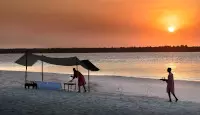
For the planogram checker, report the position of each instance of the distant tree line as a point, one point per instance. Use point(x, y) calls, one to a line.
point(181, 48)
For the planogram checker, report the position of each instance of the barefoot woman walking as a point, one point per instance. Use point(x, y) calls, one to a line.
point(170, 85)
point(81, 79)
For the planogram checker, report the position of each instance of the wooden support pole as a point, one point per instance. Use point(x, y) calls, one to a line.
point(88, 80)
point(26, 66)
point(42, 71)
point(76, 64)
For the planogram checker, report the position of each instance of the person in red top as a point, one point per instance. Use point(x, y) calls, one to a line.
point(170, 85)
point(81, 79)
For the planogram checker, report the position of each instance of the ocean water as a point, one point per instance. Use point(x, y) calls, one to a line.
point(185, 65)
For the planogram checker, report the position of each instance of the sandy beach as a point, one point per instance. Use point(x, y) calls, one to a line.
point(15, 100)
point(42, 102)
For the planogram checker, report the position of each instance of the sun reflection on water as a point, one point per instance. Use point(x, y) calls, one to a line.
point(171, 65)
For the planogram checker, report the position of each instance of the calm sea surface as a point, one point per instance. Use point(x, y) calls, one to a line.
point(186, 66)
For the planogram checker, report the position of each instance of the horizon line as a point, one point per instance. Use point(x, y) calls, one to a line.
point(106, 47)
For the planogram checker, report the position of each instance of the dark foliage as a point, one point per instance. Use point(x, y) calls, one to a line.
point(182, 48)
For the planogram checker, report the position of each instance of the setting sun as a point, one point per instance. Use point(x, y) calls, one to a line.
point(171, 29)
point(174, 20)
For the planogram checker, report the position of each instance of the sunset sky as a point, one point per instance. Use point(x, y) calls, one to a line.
point(98, 23)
